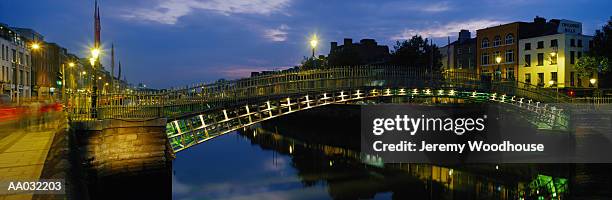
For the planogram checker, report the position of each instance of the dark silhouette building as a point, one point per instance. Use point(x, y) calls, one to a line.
point(460, 55)
point(367, 51)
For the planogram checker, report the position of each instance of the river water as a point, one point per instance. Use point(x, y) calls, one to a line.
point(288, 159)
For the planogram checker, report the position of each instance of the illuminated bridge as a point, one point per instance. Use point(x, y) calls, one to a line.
point(202, 112)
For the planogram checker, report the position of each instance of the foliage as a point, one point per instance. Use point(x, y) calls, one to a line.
point(589, 65)
point(602, 41)
point(416, 52)
point(309, 62)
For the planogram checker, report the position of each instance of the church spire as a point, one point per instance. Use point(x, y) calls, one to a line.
point(96, 25)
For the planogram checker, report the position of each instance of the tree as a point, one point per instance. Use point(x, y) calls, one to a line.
point(601, 53)
point(587, 66)
point(416, 52)
point(309, 62)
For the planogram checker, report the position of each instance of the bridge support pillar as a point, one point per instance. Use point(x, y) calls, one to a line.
point(125, 158)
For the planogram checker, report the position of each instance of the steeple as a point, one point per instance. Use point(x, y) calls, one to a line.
point(112, 61)
point(96, 25)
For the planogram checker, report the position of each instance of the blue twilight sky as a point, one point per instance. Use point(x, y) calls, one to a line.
point(176, 42)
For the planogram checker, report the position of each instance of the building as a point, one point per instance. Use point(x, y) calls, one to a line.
point(41, 83)
point(367, 51)
point(16, 65)
point(498, 46)
point(548, 60)
point(460, 55)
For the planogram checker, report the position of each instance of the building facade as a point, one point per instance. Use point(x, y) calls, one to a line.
point(498, 47)
point(15, 63)
point(548, 60)
point(460, 55)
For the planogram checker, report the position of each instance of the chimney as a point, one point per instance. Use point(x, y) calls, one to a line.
point(334, 45)
point(348, 42)
point(464, 35)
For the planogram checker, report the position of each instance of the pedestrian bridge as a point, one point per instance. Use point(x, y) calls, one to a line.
point(202, 112)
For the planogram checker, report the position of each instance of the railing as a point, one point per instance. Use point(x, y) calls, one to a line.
point(176, 103)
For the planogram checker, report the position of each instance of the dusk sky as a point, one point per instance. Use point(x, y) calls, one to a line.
point(167, 43)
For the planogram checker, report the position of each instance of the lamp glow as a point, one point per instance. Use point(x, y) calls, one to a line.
point(593, 81)
point(95, 53)
point(35, 46)
point(314, 41)
point(70, 64)
point(498, 59)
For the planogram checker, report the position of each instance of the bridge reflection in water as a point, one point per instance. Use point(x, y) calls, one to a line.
point(322, 157)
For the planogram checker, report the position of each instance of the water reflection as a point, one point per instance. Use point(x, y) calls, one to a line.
point(286, 158)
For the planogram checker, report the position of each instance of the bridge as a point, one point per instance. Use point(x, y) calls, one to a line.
point(202, 112)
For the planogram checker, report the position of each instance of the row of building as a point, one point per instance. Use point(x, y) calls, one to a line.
point(539, 53)
point(32, 68)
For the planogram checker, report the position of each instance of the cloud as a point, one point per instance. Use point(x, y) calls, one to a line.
point(437, 7)
point(410, 6)
point(169, 11)
point(277, 34)
point(449, 29)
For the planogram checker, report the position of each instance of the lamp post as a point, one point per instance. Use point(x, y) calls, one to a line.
point(553, 61)
point(498, 72)
point(313, 43)
point(95, 53)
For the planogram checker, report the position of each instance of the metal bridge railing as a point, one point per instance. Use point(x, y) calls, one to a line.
point(175, 103)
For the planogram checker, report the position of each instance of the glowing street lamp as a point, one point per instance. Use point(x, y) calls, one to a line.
point(593, 81)
point(35, 46)
point(498, 59)
point(70, 64)
point(95, 53)
point(313, 43)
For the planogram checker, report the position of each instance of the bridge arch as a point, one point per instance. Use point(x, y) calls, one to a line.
point(191, 130)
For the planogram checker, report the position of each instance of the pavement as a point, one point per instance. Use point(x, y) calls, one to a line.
point(23, 151)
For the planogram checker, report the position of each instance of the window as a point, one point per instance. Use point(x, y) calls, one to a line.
point(572, 42)
point(572, 57)
point(579, 54)
point(540, 44)
point(458, 51)
point(554, 43)
point(528, 46)
point(553, 78)
point(540, 79)
point(497, 41)
point(540, 59)
point(509, 39)
point(579, 43)
point(485, 59)
point(485, 43)
point(510, 73)
point(528, 78)
point(579, 80)
point(553, 59)
point(3, 53)
point(527, 60)
point(14, 55)
point(572, 79)
point(509, 56)
point(590, 44)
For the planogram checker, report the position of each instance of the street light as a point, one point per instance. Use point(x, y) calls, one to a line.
point(498, 72)
point(95, 53)
point(313, 43)
point(70, 64)
point(593, 81)
point(35, 46)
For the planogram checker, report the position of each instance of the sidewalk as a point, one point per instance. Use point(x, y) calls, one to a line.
point(23, 152)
